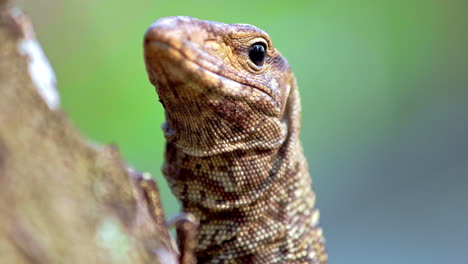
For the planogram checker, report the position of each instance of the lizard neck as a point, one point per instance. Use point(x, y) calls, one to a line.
point(262, 196)
point(221, 182)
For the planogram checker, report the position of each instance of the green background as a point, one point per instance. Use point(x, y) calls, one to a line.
point(385, 111)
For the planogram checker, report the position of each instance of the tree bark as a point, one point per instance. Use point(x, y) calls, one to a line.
point(63, 199)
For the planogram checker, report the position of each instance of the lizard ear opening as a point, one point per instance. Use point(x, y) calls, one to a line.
point(292, 112)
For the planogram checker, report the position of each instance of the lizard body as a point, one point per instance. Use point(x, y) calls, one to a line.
point(233, 156)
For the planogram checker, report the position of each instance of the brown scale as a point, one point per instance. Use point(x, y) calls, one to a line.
point(233, 156)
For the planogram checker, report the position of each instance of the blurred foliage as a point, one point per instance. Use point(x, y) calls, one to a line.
point(384, 93)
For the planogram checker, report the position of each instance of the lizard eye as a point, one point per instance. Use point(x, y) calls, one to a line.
point(257, 53)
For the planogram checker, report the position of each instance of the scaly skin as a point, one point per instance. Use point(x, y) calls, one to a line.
point(233, 155)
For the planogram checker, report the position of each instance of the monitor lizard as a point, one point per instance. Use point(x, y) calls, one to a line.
point(233, 155)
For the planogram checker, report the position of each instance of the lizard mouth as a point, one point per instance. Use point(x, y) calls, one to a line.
point(197, 62)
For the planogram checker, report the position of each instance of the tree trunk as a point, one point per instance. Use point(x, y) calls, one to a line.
point(63, 199)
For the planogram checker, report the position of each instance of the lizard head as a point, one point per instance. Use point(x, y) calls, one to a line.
point(223, 86)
